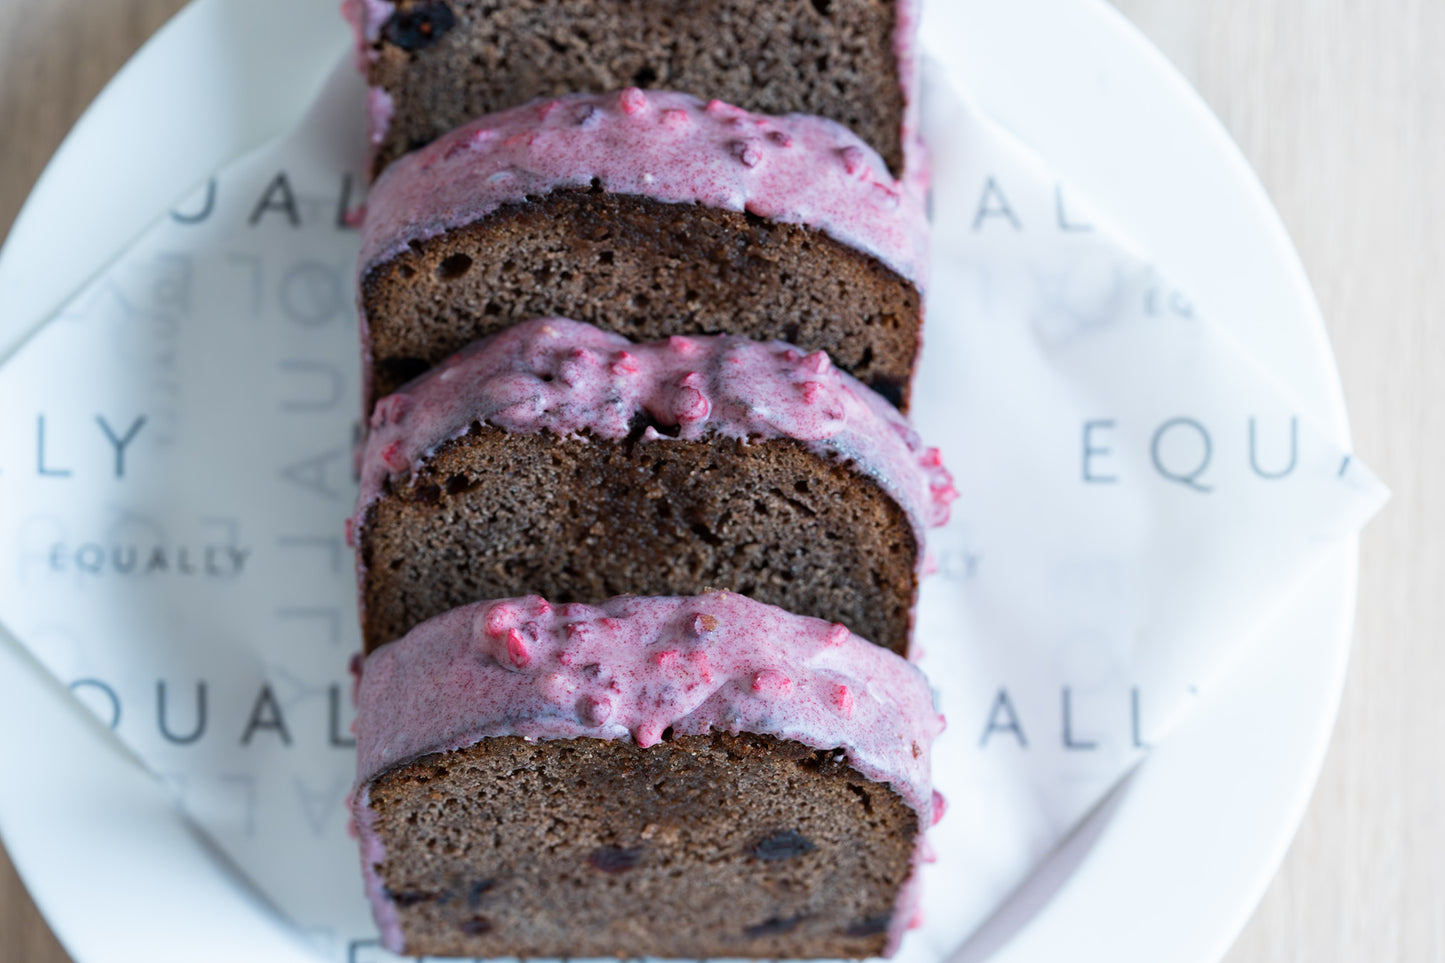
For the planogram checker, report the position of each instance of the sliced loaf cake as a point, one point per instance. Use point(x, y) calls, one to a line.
point(559, 459)
point(434, 65)
point(671, 777)
point(648, 214)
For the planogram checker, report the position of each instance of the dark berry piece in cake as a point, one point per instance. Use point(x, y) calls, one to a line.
point(784, 845)
point(614, 859)
point(871, 926)
point(774, 927)
point(418, 26)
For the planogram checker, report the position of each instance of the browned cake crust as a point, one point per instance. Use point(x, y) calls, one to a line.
point(495, 515)
point(446, 63)
point(703, 846)
point(645, 269)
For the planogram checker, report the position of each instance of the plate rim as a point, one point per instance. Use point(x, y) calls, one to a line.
point(1335, 583)
point(1341, 572)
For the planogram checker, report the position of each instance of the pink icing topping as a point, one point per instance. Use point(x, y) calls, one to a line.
point(381, 108)
point(666, 146)
point(629, 669)
point(366, 18)
point(571, 378)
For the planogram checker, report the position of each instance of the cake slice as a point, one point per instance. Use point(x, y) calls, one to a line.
point(560, 459)
point(648, 214)
point(435, 65)
point(672, 777)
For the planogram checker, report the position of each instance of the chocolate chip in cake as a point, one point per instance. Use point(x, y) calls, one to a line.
point(773, 927)
point(478, 890)
point(871, 926)
point(615, 859)
point(476, 926)
point(783, 845)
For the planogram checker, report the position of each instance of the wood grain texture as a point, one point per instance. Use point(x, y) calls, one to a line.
point(1340, 106)
point(55, 56)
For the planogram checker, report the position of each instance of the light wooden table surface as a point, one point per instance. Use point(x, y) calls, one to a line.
point(1340, 105)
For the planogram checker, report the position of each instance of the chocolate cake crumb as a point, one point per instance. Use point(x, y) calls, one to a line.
point(529, 816)
point(644, 269)
point(445, 64)
point(496, 515)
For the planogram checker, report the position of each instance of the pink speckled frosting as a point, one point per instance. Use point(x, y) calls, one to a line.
point(573, 379)
point(666, 146)
point(367, 17)
point(629, 669)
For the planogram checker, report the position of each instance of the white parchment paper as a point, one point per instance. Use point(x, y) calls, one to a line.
point(1137, 493)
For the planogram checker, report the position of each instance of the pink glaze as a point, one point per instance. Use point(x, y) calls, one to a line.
point(666, 146)
point(629, 669)
point(367, 17)
point(575, 380)
point(380, 108)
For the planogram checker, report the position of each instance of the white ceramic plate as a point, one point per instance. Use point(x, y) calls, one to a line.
point(1168, 869)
